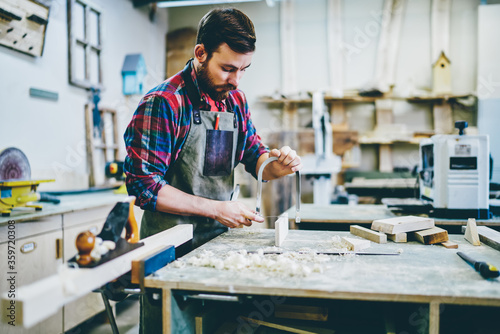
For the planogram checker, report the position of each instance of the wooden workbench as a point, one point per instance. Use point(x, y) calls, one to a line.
point(429, 275)
point(339, 217)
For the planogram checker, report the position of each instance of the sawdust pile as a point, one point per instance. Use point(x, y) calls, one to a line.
point(299, 263)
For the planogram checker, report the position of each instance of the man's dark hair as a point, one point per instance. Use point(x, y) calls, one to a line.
point(226, 25)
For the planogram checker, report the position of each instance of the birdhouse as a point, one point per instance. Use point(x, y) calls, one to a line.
point(441, 75)
point(133, 73)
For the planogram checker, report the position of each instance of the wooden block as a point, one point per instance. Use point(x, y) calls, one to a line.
point(402, 224)
point(471, 232)
point(366, 233)
point(151, 262)
point(489, 236)
point(356, 244)
point(432, 236)
point(281, 230)
point(398, 237)
point(301, 312)
point(449, 244)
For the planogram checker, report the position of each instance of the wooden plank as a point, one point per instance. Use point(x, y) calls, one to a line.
point(471, 234)
point(39, 300)
point(432, 236)
point(363, 232)
point(276, 326)
point(489, 236)
point(288, 50)
point(398, 237)
point(301, 312)
point(335, 50)
point(402, 224)
point(281, 230)
point(449, 244)
point(356, 244)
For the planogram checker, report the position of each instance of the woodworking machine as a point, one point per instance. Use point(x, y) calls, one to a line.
point(16, 187)
point(454, 174)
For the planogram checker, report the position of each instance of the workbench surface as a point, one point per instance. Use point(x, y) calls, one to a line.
point(69, 203)
point(364, 214)
point(421, 273)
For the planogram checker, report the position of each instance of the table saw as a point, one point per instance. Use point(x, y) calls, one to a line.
point(428, 280)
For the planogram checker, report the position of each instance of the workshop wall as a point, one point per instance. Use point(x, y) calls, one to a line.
point(413, 70)
point(52, 133)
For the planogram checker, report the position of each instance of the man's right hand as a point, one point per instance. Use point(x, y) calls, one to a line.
point(233, 214)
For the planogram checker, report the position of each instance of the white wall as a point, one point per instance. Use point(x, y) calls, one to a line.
point(413, 68)
point(52, 133)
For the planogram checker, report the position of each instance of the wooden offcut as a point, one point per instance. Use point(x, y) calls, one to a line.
point(356, 244)
point(363, 232)
point(471, 234)
point(150, 262)
point(301, 312)
point(450, 244)
point(398, 237)
point(402, 224)
point(432, 236)
point(281, 230)
point(489, 236)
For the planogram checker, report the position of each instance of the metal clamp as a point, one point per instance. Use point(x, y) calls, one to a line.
point(259, 189)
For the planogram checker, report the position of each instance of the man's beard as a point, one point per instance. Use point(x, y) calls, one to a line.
point(207, 85)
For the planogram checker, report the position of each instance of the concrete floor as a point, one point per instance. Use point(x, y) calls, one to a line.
point(127, 320)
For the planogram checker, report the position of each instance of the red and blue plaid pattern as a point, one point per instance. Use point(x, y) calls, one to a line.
point(159, 128)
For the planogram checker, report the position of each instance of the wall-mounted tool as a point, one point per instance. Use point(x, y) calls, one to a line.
point(454, 174)
point(485, 269)
point(16, 187)
point(259, 189)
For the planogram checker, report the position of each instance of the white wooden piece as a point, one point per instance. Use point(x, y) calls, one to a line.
point(449, 244)
point(392, 19)
point(440, 28)
point(489, 236)
point(356, 244)
point(335, 54)
point(288, 51)
point(39, 300)
point(471, 234)
point(398, 237)
point(402, 224)
point(363, 232)
point(281, 230)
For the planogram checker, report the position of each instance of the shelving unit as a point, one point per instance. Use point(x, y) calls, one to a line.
point(441, 110)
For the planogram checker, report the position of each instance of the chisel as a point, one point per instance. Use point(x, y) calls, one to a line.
point(485, 269)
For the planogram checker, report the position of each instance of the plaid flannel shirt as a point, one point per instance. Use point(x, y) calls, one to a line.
point(159, 128)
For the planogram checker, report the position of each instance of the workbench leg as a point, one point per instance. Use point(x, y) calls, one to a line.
point(434, 317)
point(166, 309)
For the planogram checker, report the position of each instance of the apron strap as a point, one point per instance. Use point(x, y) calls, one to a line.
point(193, 94)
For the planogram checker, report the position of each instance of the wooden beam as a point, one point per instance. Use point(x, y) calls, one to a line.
point(363, 232)
point(356, 244)
point(402, 224)
point(335, 53)
point(489, 236)
point(449, 244)
point(432, 236)
point(39, 300)
point(398, 237)
point(288, 50)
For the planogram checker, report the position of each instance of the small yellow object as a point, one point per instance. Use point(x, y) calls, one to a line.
point(19, 193)
point(493, 268)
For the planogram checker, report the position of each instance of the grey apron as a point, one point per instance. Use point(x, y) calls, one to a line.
point(204, 167)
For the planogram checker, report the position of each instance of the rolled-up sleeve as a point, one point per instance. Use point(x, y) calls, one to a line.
point(149, 140)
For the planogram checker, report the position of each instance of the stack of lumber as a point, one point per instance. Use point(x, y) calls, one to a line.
point(398, 228)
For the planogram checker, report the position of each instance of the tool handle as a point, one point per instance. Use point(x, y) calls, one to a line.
point(486, 270)
point(49, 198)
